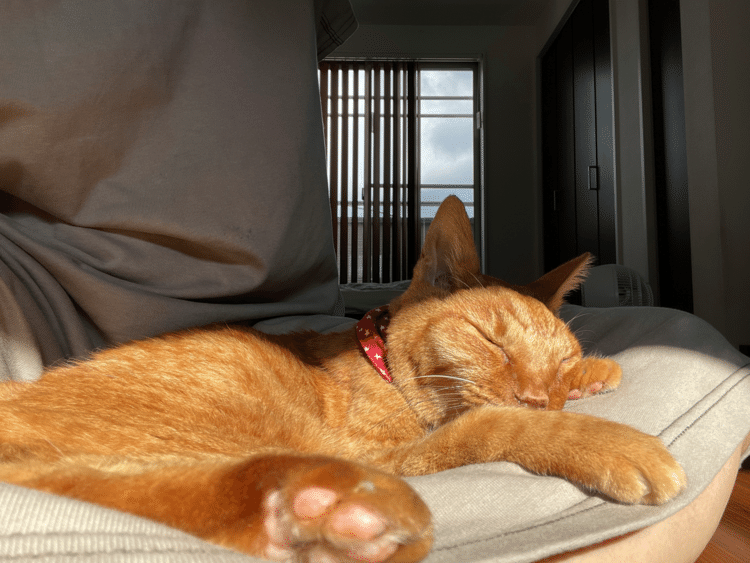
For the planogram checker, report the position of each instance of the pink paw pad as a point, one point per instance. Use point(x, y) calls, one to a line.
point(313, 502)
point(348, 527)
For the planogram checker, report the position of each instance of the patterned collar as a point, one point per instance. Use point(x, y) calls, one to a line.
point(371, 334)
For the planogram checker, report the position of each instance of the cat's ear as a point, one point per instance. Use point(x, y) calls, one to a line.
point(553, 286)
point(449, 258)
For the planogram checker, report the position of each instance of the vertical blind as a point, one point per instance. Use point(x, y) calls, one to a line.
point(369, 116)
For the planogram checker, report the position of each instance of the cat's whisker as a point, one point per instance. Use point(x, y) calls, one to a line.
point(584, 342)
point(581, 339)
point(576, 317)
point(570, 321)
point(55, 447)
point(444, 376)
point(441, 376)
point(578, 333)
point(459, 280)
point(449, 392)
point(450, 404)
point(478, 280)
point(387, 419)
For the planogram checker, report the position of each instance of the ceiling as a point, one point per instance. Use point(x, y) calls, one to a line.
point(448, 12)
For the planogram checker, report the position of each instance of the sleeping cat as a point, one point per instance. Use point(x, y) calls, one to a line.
point(289, 447)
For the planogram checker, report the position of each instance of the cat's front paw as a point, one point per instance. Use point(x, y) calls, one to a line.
point(595, 375)
point(653, 477)
point(630, 466)
point(358, 515)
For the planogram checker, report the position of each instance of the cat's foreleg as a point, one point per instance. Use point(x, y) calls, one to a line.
point(614, 459)
point(278, 507)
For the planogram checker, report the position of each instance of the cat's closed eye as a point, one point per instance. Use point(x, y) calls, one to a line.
point(503, 354)
point(494, 342)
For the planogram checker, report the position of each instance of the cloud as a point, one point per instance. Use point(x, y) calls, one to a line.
point(446, 82)
point(447, 150)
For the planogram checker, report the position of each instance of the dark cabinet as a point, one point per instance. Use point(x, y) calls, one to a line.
point(577, 139)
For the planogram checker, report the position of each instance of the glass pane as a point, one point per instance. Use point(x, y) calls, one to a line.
point(446, 83)
point(432, 198)
point(432, 194)
point(465, 107)
point(447, 150)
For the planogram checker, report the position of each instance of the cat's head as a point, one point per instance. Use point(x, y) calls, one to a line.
point(459, 338)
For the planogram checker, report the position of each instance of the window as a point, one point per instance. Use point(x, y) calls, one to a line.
point(401, 136)
point(448, 139)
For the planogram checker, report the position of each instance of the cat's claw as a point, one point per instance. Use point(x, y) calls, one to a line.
point(323, 525)
point(591, 389)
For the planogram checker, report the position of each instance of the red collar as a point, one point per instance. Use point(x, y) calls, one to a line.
point(371, 334)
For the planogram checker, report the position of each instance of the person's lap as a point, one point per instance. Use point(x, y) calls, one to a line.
point(681, 538)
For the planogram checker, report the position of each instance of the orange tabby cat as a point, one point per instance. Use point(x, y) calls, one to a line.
point(288, 447)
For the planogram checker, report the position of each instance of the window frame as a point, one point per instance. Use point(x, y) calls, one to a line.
point(478, 184)
point(419, 228)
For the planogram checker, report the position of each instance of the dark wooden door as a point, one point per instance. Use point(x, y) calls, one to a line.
point(577, 150)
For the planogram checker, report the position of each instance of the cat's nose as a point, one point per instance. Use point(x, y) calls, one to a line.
point(533, 398)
